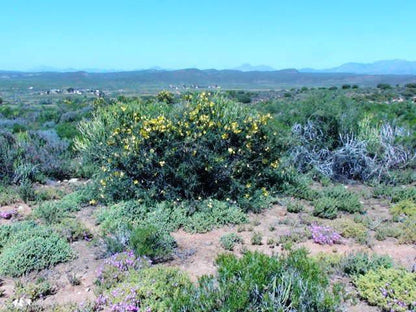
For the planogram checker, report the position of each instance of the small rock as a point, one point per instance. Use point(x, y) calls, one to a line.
point(73, 180)
point(22, 303)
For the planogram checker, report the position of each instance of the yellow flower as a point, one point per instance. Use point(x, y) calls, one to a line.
point(231, 151)
point(135, 182)
point(162, 163)
point(123, 108)
point(274, 164)
point(224, 136)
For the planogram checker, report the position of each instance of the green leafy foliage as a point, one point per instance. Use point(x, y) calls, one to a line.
point(205, 147)
point(257, 282)
point(336, 199)
point(406, 208)
point(350, 229)
point(8, 195)
point(26, 247)
point(408, 231)
point(256, 238)
point(325, 207)
point(55, 211)
point(295, 207)
point(360, 263)
point(391, 289)
point(152, 242)
point(194, 217)
point(32, 290)
point(152, 288)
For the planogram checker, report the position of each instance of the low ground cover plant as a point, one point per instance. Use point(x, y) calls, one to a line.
point(228, 241)
point(336, 199)
point(255, 282)
point(350, 229)
point(360, 263)
point(26, 246)
point(404, 208)
point(390, 289)
point(117, 221)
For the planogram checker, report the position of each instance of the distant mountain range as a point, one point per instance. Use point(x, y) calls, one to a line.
point(154, 79)
point(248, 67)
point(388, 67)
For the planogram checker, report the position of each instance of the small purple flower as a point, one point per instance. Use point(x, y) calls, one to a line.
point(7, 214)
point(324, 235)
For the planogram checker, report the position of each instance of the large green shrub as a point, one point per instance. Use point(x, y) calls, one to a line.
point(204, 147)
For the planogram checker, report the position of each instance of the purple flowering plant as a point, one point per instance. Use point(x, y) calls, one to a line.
point(117, 267)
point(324, 235)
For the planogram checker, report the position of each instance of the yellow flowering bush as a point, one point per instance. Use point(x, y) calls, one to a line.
point(205, 147)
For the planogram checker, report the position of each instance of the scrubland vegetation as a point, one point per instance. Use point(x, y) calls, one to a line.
point(305, 200)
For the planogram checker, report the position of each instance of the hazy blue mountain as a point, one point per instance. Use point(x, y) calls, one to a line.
point(387, 67)
point(147, 80)
point(248, 67)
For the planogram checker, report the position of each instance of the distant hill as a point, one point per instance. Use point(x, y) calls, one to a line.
point(248, 67)
point(148, 80)
point(388, 67)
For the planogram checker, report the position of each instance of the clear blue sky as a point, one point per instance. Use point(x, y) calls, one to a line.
point(205, 34)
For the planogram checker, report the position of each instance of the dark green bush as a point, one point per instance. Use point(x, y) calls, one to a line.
point(206, 147)
point(8, 154)
point(325, 207)
point(360, 263)
point(346, 201)
point(152, 242)
point(336, 199)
